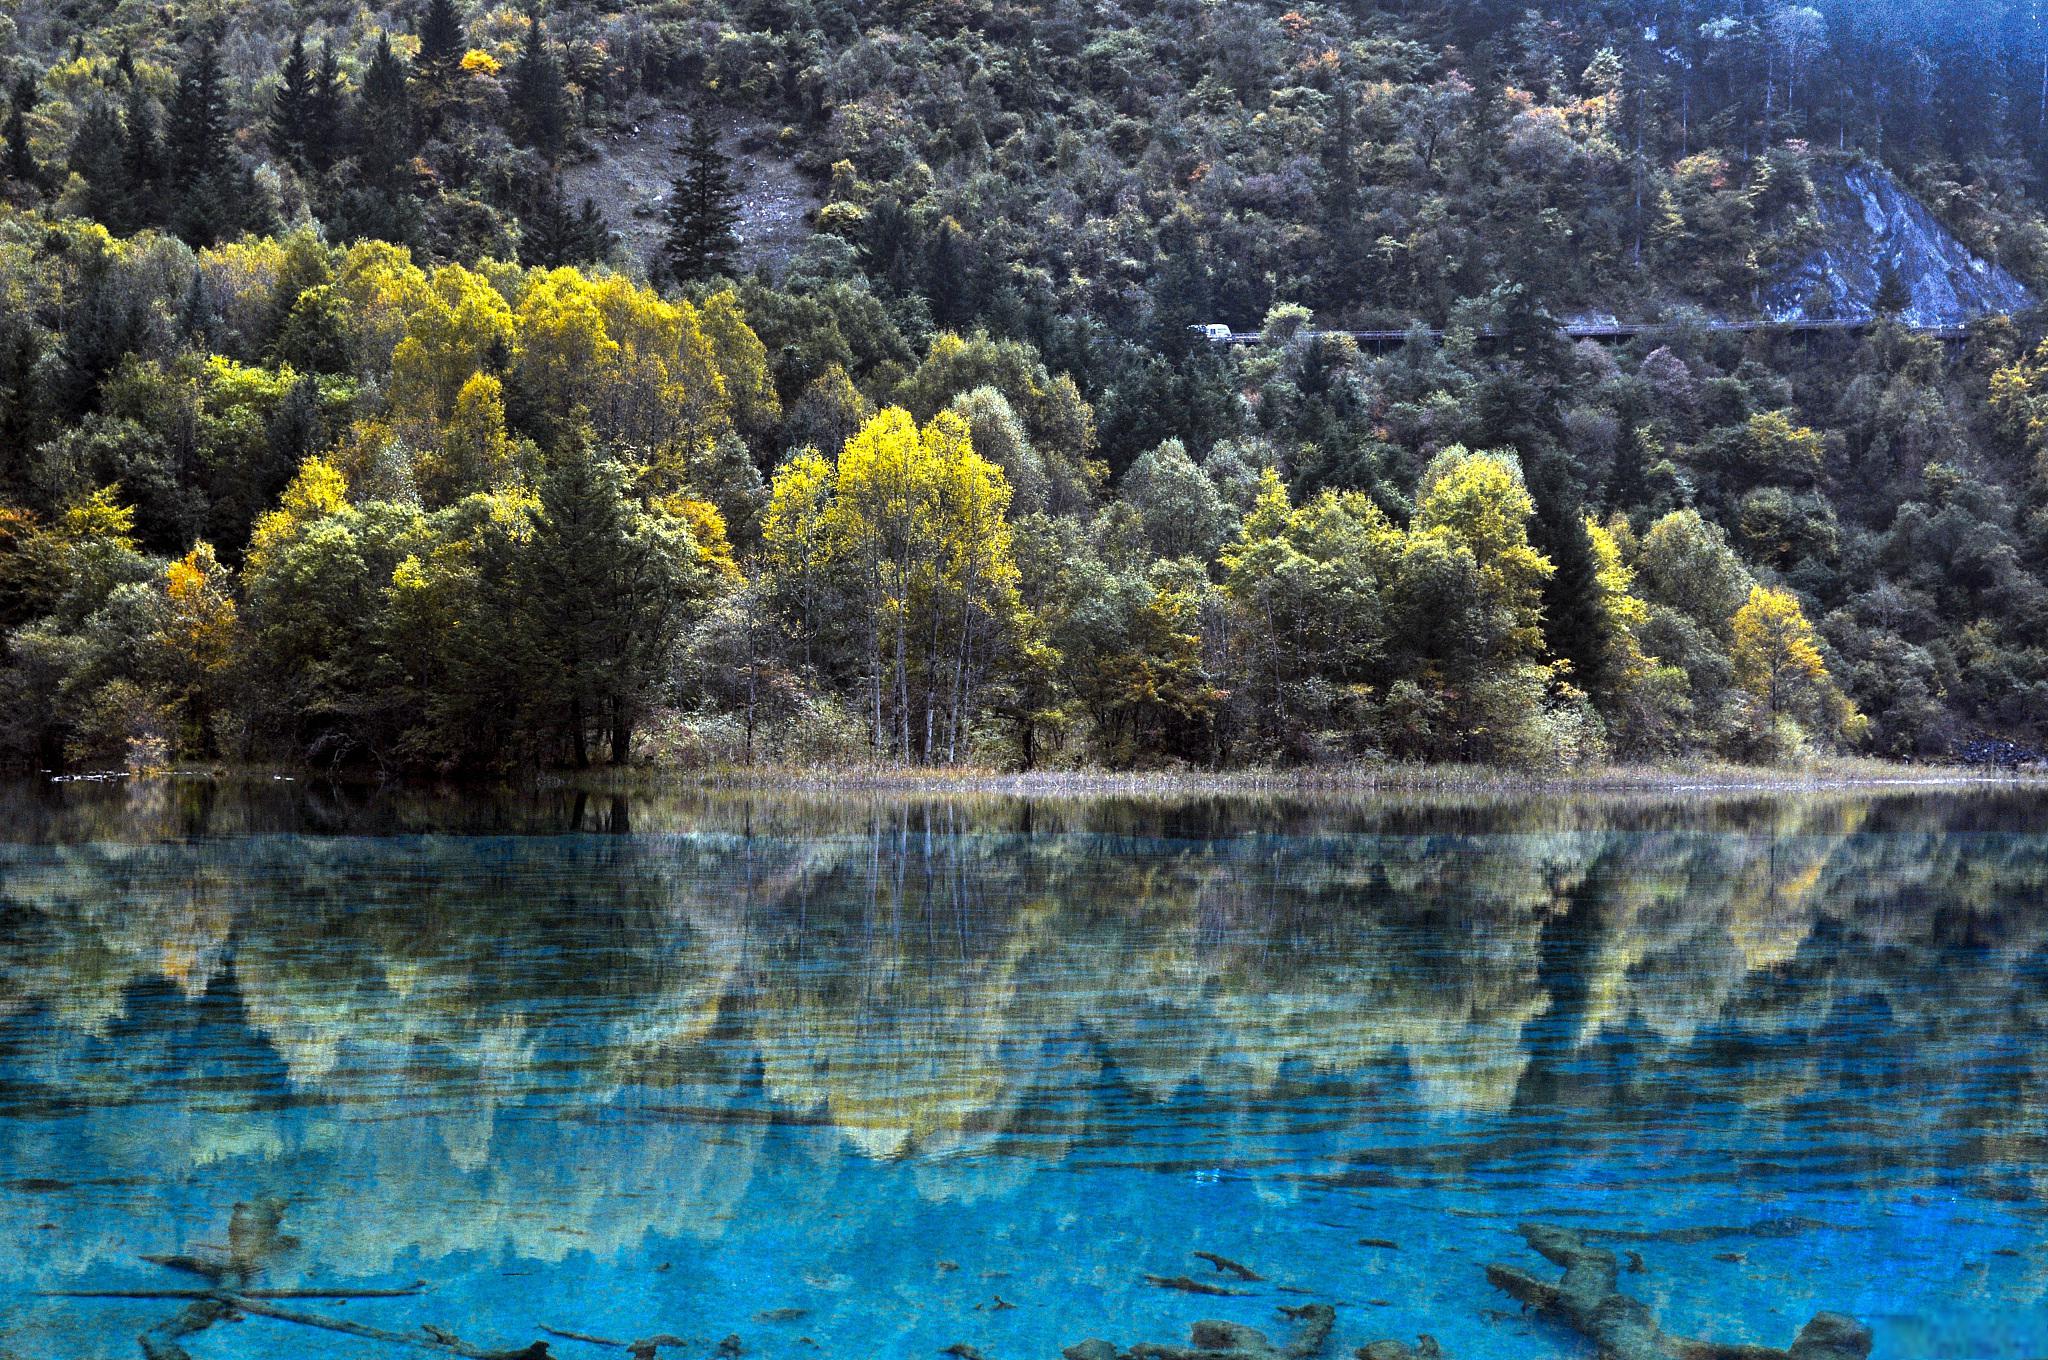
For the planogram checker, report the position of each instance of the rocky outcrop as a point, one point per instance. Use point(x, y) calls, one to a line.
point(1869, 223)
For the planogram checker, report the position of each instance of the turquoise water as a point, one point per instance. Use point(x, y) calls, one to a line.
point(628, 1067)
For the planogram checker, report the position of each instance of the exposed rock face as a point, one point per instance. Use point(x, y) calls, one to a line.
point(1870, 221)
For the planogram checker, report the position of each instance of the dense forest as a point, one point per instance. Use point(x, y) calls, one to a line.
point(336, 427)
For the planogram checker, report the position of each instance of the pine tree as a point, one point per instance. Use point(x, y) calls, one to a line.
point(383, 122)
point(439, 62)
point(701, 209)
point(547, 229)
point(594, 234)
point(1893, 297)
point(96, 158)
point(1346, 256)
point(17, 158)
point(441, 40)
point(539, 105)
point(291, 108)
point(198, 128)
point(142, 159)
point(324, 108)
point(212, 186)
point(553, 235)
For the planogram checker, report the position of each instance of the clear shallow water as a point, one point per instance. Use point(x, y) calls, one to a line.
point(624, 1068)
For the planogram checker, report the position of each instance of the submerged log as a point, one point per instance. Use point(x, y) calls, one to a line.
point(436, 1339)
point(242, 1293)
point(644, 1349)
point(1188, 1286)
point(161, 1341)
point(1590, 1302)
point(1213, 1340)
point(1228, 1266)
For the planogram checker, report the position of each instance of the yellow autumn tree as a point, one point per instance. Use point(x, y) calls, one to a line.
point(796, 548)
point(458, 327)
point(1478, 502)
point(194, 643)
point(317, 489)
point(911, 530)
point(379, 288)
point(474, 452)
point(1646, 697)
point(1778, 664)
point(639, 368)
point(743, 362)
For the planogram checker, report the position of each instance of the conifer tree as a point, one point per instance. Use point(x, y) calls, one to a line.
point(96, 158)
point(17, 158)
point(439, 62)
point(213, 190)
point(441, 41)
point(554, 235)
point(383, 122)
point(198, 126)
point(142, 159)
point(701, 209)
point(324, 108)
point(291, 109)
point(1893, 297)
point(538, 102)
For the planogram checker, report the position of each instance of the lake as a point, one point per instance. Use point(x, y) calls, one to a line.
point(854, 1075)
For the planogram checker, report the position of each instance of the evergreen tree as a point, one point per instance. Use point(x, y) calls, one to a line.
point(949, 277)
point(17, 158)
point(553, 234)
point(142, 159)
point(701, 209)
point(441, 40)
point(439, 62)
point(1893, 297)
point(383, 121)
point(96, 158)
point(213, 188)
point(292, 128)
point(324, 109)
point(197, 132)
point(1340, 203)
point(605, 592)
point(594, 235)
point(540, 108)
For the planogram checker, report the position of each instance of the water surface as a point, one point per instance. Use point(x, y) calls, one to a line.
point(966, 1072)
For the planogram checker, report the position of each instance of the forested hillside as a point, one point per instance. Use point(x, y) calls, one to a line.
point(333, 428)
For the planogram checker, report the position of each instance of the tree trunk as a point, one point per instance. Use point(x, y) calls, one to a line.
point(622, 732)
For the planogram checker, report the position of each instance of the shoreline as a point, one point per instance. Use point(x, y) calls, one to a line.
point(1709, 779)
point(1832, 776)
